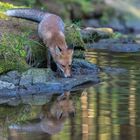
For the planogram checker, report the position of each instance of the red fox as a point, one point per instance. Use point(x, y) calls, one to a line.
point(51, 31)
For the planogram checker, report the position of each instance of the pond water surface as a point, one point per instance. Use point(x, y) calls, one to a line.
point(107, 111)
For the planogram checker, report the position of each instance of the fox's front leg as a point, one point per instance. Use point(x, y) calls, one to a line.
point(48, 58)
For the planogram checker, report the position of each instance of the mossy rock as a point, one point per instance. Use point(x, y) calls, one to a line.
point(90, 34)
point(8, 65)
point(12, 53)
point(79, 54)
point(36, 75)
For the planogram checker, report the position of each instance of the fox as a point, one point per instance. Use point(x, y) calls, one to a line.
point(51, 32)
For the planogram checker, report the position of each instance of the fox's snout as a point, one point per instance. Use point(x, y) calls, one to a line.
point(64, 62)
point(65, 70)
point(67, 75)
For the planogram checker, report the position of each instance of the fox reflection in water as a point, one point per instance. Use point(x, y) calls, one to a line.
point(52, 118)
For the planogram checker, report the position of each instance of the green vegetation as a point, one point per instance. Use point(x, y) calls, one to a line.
point(16, 115)
point(73, 36)
point(85, 5)
point(12, 52)
point(6, 6)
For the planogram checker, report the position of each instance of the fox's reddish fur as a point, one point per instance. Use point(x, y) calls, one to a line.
point(51, 31)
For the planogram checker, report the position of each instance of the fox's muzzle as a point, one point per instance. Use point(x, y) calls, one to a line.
point(65, 72)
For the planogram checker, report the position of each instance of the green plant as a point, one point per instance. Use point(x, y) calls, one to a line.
point(12, 52)
point(5, 6)
point(73, 36)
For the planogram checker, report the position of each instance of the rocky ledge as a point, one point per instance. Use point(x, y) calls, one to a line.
point(39, 81)
point(104, 41)
point(44, 81)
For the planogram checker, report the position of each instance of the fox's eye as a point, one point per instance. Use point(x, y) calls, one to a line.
point(69, 65)
point(63, 65)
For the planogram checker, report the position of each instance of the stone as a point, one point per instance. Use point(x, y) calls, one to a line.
point(80, 66)
point(90, 34)
point(133, 25)
point(116, 25)
point(6, 85)
point(91, 23)
point(36, 75)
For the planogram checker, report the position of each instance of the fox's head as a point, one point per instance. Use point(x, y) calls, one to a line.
point(64, 62)
point(60, 52)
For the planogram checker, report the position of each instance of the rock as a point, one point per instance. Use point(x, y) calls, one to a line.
point(36, 75)
point(123, 40)
point(116, 25)
point(125, 48)
point(8, 93)
point(92, 34)
point(43, 81)
point(12, 77)
point(133, 25)
point(6, 85)
point(80, 66)
point(118, 47)
point(91, 23)
point(78, 80)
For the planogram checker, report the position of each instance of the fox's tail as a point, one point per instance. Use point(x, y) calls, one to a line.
point(26, 13)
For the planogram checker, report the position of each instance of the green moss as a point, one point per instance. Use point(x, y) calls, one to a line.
point(4, 7)
point(107, 14)
point(73, 37)
point(38, 54)
point(12, 52)
point(85, 5)
point(117, 35)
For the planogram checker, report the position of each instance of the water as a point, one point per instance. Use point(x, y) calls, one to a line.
point(107, 111)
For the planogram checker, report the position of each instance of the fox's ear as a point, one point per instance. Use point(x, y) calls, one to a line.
point(57, 50)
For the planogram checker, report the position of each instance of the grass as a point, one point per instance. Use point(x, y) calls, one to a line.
point(5, 6)
point(73, 37)
point(12, 52)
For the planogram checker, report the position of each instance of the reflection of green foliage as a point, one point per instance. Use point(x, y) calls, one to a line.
point(16, 115)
